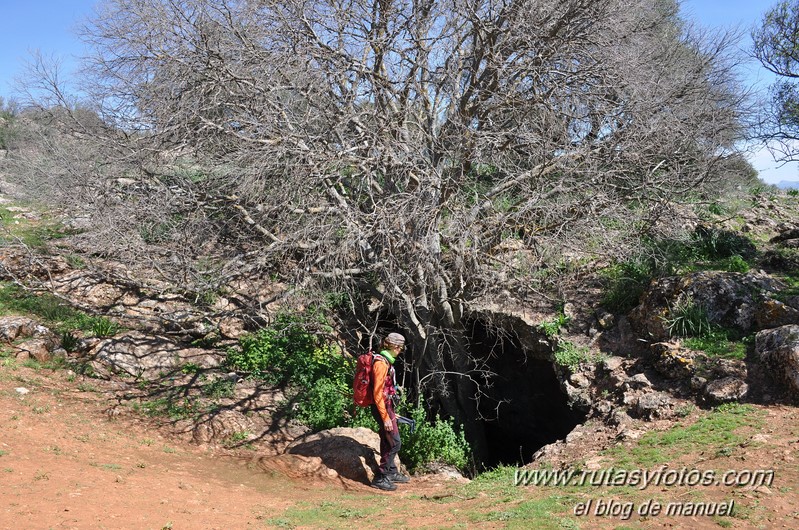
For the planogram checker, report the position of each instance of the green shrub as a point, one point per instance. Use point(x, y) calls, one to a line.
point(433, 442)
point(624, 283)
point(288, 352)
point(687, 319)
point(551, 328)
point(103, 327)
point(69, 341)
point(324, 405)
point(570, 356)
point(736, 264)
point(716, 244)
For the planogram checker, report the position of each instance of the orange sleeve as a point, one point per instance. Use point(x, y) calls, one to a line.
point(379, 372)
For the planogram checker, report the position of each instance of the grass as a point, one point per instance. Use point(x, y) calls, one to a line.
point(346, 512)
point(717, 432)
point(571, 356)
point(53, 311)
point(33, 233)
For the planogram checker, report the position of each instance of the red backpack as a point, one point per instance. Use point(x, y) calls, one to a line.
point(362, 385)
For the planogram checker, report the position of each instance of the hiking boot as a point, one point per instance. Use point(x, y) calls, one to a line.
point(398, 478)
point(382, 482)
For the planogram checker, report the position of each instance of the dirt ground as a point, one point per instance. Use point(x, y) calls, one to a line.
point(65, 462)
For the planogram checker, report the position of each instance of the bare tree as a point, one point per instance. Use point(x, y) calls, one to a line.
point(775, 46)
point(423, 156)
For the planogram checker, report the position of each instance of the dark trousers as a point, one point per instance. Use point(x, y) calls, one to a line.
point(389, 441)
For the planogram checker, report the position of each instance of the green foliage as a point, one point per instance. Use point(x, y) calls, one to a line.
point(51, 309)
point(717, 344)
point(687, 319)
point(323, 405)
point(103, 327)
point(219, 388)
point(289, 352)
point(69, 341)
point(706, 248)
point(624, 284)
point(570, 356)
point(437, 441)
point(715, 431)
point(551, 328)
point(714, 244)
point(736, 264)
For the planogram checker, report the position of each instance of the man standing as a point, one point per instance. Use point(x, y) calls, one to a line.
point(385, 389)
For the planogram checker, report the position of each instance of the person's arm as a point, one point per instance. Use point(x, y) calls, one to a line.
point(379, 373)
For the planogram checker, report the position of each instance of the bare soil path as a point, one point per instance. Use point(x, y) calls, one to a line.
point(65, 462)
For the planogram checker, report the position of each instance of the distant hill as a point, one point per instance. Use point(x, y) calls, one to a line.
point(785, 184)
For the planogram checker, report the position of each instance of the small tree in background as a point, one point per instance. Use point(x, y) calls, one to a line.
point(776, 46)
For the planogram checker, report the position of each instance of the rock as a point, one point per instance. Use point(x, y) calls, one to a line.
point(605, 319)
point(580, 380)
point(654, 405)
point(21, 390)
point(220, 427)
point(232, 328)
point(773, 314)
point(14, 327)
point(38, 349)
point(672, 361)
point(726, 390)
point(148, 356)
point(786, 233)
point(352, 453)
point(778, 348)
point(698, 383)
point(729, 299)
point(638, 381)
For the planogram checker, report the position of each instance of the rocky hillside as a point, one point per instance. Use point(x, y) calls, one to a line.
point(627, 358)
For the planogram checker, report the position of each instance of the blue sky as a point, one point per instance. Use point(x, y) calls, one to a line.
point(49, 26)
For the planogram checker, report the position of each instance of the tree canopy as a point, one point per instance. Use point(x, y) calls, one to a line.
point(423, 157)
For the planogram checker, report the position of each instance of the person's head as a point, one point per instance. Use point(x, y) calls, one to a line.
point(394, 342)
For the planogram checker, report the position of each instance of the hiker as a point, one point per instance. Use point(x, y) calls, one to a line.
point(385, 390)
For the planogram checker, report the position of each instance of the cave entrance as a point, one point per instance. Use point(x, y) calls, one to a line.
point(525, 408)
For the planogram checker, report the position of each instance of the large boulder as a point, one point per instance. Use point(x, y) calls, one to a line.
point(779, 350)
point(742, 302)
point(352, 453)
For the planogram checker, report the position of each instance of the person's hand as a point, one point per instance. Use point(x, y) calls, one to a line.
point(388, 425)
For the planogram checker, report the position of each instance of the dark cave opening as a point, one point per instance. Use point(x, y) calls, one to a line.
point(524, 408)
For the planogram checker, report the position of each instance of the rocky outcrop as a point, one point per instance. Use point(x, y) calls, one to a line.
point(352, 453)
point(737, 301)
point(778, 349)
point(148, 357)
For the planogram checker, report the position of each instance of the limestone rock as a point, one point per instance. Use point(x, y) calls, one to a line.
point(149, 356)
point(730, 299)
point(672, 361)
point(654, 405)
point(778, 348)
point(352, 453)
point(726, 389)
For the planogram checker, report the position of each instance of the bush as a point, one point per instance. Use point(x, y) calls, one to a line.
point(570, 356)
point(433, 442)
point(687, 319)
point(324, 404)
point(624, 284)
point(289, 352)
